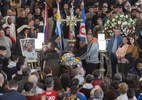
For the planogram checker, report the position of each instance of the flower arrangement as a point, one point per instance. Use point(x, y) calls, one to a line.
point(124, 22)
point(69, 60)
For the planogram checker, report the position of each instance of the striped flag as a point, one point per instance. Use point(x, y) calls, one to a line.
point(58, 29)
point(82, 32)
point(46, 35)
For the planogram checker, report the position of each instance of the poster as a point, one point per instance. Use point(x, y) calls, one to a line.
point(28, 48)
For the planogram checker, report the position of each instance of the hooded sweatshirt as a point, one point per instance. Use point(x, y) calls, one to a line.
point(12, 64)
point(91, 55)
point(12, 27)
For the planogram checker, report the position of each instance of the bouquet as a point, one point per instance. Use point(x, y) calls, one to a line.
point(69, 60)
point(124, 22)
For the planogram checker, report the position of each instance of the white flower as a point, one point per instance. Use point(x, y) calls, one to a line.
point(116, 16)
point(115, 23)
point(119, 22)
point(107, 21)
point(130, 20)
point(121, 16)
point(113, 19)
point(126, 16)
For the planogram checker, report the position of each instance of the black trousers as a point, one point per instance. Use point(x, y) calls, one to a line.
point(90, 68)
point(113, 64)
point(123, 68)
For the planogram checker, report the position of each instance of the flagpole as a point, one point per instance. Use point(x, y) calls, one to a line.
point(46, 36)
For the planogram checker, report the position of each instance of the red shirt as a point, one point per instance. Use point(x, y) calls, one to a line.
point(50, 95)
point(31, 98)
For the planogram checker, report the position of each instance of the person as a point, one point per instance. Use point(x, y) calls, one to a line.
point(137, 69)
point(22, 19)
point(38, 75)
point(75, 82)
point(9, 34)
point(6, 42)
point(11, 25)
point(57, 84)
point(26, 72)
point(120, 54)
point(29, 51)
point(22, 35)
point(98, 95)
point(117, 77)
point(79, 74)
point(65, 81)
point(97, 77)
point(110, 95)
point(82, 49)
point(3, 59)
point(133, 50)
point(2, 90)
point(87, 86)
point(11, 68)
point(115, 86)
point(61, 95)
point(51, 56)
point(28, 87)
point(130, 94)
point(49, 93)
point(91, 55)
point(139, 41)
point(12, 94)
point(74, 91)
point(47, 73)
point(29, 25)
point(36, 90)
point(16, 4)
point(123, 88)
point(19, 67)
point(114, 43)
point(133, 47)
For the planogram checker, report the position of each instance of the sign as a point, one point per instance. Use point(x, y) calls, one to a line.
point(28, 48)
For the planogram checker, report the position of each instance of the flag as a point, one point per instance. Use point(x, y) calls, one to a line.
point(46, 35)
point(82, 32)
point(58, 29)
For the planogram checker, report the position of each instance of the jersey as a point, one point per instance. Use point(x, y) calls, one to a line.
point(50, 95)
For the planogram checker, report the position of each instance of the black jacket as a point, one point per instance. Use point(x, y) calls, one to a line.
point(12, 95)
point(17, 48)
point(81, 51)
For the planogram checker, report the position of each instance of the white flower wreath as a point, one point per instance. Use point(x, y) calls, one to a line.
point(124, 22)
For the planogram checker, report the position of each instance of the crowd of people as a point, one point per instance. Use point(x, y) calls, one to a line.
point(20, 19)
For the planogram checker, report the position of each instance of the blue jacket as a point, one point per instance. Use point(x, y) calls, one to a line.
point(79, 95)
point(111, 42)
point(140, 97)
point(12, 95)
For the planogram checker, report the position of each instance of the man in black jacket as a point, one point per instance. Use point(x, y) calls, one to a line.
point(12, 94)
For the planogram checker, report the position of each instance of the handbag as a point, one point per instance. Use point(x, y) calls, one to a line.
point(128, 57)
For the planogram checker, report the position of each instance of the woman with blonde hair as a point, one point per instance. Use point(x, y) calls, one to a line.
point(123, 88)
